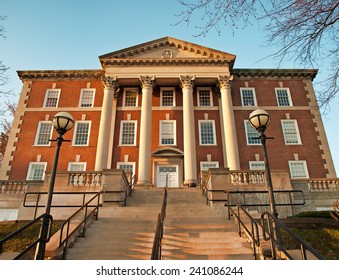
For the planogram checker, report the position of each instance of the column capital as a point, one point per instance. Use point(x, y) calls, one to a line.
point(225, 81)
point(110, 83)
point(187, 81)
point(147, 81)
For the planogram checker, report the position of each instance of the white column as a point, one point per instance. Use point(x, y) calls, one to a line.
point(229, 125)
point(190, 161)
point(110, 86)
point(144, 167)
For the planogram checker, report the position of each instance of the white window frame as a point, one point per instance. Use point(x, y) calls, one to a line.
point(198, 96)
point(174, 132)
point(214, 132)
point(124, 96)
point(135, 132)
point(288, 97)
point(260, 162)
point(120, 163)
point(248, 125)
point(7, 214)
point(296, 131)
point(161, 96)
point(304, 163)
point(37, 135)
point(75, 133)
point(82, 95)
point(253, 95)
point(83, 164)
point(30, 170)
point(47, 96)
point(215, 163)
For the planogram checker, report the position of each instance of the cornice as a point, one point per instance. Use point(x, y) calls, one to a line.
point(300, 73)
point(60, 74)
point(178, 62)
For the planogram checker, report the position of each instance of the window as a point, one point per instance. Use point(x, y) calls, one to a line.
point(205, 97)
point(87, 97)
point(8, 214)
point(167, 97)
point(252, 136)
point(257, 165)
point(128, 131)
point(76, 166)
point(205, 165)
point(126, 166)
point(248, 97)
point(298, 169)
point(130, 97)
point(291, 132)
point(44, 133)
point(207, 132)
point(36, 171)
point(168, 132)
point(283, 97)
point(52, 98)
point(81, 133)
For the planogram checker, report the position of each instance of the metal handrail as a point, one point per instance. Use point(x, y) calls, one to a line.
point(20, 230)
point(159, 230)
point(253, 233)
point(276, 245)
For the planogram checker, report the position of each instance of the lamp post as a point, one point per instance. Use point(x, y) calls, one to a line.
point(62, 122)
point(260, 119)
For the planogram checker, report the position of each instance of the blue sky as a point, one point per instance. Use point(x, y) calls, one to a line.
point(71, 34)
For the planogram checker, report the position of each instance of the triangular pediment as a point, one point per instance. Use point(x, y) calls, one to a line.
point(167, 48)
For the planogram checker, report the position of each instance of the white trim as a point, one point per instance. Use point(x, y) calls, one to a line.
point(135, 132)
point(124, 96)
point(30, 169)
point(216, 163)
point(38, 134)
point(296, 129)
point(75, 133)
point(174, 132)
point(198, 96)
point(246, 133)
point(84, 164)
point(8, 214)
point(253, 95)
point(119, 163)
point(46, 97)
point(303, 162)
point(81, 96)
point(161, 95)
point(261, 162)
point(214, 132)
point(288, 96)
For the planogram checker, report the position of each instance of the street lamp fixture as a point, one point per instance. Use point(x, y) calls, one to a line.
point(62, 122)
point(260, 119)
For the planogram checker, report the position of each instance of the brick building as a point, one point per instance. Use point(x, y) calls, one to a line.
point(166, 110)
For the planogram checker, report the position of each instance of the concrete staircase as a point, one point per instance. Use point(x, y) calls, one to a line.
point(195, 231)
point(192, 230)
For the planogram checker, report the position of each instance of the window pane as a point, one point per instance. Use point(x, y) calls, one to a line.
point(206, 165)
point(207, 133)
point(52, 98)
point(298, 169)
point(167, 98)
point(283, 97)
point(248, 97)
point(257, 165)
point(87, 97)
point(131, 98)
point(82, 132)
point(44, 133)
point(128, 133)
point(290, 132)
point(37, 171)
point(167, 133)
point(251, 134)
point(204, 98)
point(76, 167)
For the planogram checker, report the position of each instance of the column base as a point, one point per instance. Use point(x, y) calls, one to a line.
point(191, 183)
point(144, 184)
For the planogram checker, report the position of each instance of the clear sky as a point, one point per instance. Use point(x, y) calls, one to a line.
point(71, 34)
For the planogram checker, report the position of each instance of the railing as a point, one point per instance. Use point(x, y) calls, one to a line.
point(66, 233)
point(271, 225)
point(20, 230)
point(13, 187)
point(157, 242)
point(248, 178)
point(252, 233)
point(38, 195)
point(85, 179)
point(323, 184)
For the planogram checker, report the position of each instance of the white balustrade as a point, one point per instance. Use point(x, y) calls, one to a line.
point(242, 178)
point(323, 184)
point(85, 179)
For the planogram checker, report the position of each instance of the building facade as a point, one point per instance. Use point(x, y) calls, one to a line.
point(167, 110)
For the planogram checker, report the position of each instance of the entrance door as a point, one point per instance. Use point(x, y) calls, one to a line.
point(167, 174)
